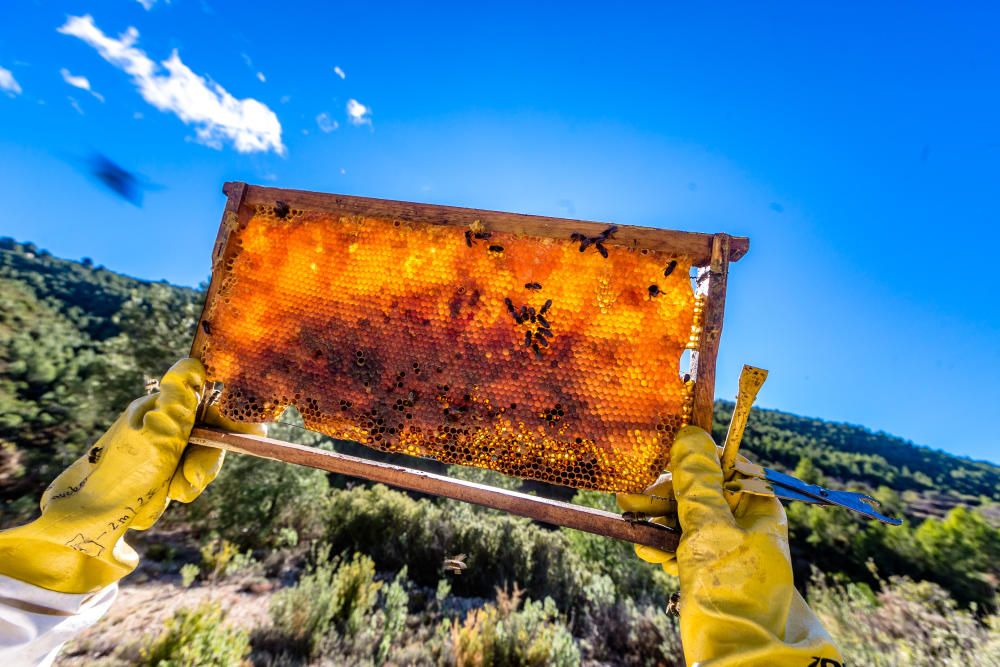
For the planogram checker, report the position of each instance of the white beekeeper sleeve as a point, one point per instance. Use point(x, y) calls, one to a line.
point(35, 622)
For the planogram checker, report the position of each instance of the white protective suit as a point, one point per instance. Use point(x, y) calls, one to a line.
point(35, 622)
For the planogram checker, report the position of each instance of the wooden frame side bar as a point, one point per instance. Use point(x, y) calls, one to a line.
point(712, 282)
point(221, 252)
point(548, 511)
point(695, 245)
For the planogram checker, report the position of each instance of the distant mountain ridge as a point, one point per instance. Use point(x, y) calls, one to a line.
point(76, 341)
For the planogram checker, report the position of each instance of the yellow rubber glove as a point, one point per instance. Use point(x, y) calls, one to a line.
point(125, 481)
point(738, 602)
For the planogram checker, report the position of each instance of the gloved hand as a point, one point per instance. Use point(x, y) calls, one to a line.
point(124, 481)
point(738, 602)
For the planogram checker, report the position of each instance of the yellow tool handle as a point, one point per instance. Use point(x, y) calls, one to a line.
point(751, 380)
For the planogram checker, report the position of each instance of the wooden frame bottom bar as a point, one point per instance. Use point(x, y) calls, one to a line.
point(548, 511)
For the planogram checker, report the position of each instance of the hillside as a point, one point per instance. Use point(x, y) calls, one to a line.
point(77, 341)
point(69, 326)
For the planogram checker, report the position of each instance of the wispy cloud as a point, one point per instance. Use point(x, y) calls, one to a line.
point(261, 77)
point(81, 82)
point(76, 105)
point(358, 113)
point(8, 83)
point(339, 72)
point(325, 123)
point(171, 86)
point(146, 4)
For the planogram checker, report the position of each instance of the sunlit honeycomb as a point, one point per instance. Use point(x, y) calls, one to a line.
point(542, 358)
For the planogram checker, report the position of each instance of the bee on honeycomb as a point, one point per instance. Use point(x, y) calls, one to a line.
point(471, 346)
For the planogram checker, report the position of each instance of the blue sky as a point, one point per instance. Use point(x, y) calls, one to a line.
point(857, 146)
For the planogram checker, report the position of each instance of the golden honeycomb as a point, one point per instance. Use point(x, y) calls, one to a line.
point(554, 359)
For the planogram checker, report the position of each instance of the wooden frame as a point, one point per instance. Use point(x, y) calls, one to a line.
point(710, 253)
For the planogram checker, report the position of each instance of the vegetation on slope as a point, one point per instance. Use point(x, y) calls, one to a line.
point(77, 341)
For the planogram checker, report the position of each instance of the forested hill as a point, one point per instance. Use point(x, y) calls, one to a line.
point(77, 340)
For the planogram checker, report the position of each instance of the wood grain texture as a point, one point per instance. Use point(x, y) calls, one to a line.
point(695, 245)
point(703, 360)
point(235, 193)
point(548, 511)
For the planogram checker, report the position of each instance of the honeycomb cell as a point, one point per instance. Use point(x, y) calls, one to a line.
point(542, 358)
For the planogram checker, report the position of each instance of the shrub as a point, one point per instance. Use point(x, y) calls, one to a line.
point(397, 530)
point(197, 638)
point(302, 613)
point(616, 561)
point(500, 635)
point(395, 605)
point(332, 598)
point(189, 572)
point(222, 558)
point(257, 503)
point(906, 623)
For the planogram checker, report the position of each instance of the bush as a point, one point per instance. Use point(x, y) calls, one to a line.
point(905, 624)
point(257, 503)
point(397, 530)
point(189, 572)
point(616, 561)
point(333, 598)
point(395, 605)
point(222, 559)
point(500, 635)
point(197, 638)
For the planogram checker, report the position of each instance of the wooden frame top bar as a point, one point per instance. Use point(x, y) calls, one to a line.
point(695, 245)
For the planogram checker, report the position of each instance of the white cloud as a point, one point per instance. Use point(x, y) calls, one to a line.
point(325, 123)
point(76, 105)
point(261, 77)
point(8, 83)
point(146, 4)
point(81, 82)
point(358, 113)
point(171, 86)
point(339, 72)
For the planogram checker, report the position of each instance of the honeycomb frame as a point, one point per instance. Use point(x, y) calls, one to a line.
point(538, 347)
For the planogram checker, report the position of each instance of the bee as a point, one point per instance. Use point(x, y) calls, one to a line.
point(584, 240)
point(533, 286)
point(634, 517)
point(468, 238)
point(541, 340)
point(674, 605)
point(95, 453)
point(527, 339)
point(455, 564)
point(531, 314)
point(510, 307)
point(281, 209)
point(536, 350)
point(151, 385)
point(654, 290)
point(544, 322)
point(545, 307)
point(608, 233)
point(670, 268)
point(546, 332)
point(601, 249)
point(484, 235)
point(496, 248)
point(206, 327)
point(523, 313)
